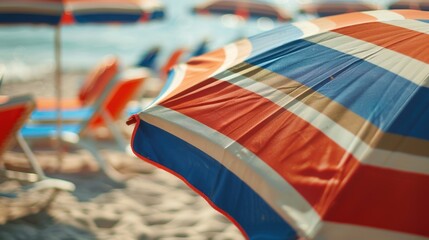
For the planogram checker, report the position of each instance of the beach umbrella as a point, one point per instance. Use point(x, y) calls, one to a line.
point(315, 129)
point(323, 8)
point(410, 4)
point(112, 11)
point(244, 8)
point(39, 12)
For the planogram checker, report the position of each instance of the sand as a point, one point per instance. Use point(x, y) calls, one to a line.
point(152, 204)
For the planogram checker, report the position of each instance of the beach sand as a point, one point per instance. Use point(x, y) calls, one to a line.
point(152, 204)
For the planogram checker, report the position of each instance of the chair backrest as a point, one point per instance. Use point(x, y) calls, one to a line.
point(119, 95)
point(148, 60)
point(14, 111)
point(98, 80)
point(171, 61)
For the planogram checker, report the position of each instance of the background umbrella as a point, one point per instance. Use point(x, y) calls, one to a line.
point(243, 8)
point(316, 128)
point(111, 11)
point(410, 4)
point(47, 12)
point(323, 8)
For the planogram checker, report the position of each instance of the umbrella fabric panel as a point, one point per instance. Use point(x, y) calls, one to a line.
point(344, 78)
point(301, 130)
point(208, 176)
point(31, 11)
point(102, 11)
point(246, 9)
point(308, 189)
point(248, 119)
point(328, 9)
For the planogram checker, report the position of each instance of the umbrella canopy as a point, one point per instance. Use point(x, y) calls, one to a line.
point(410, 4)
point(317, 129)
point(323, 8)
point(112, 11)
point(244, 8)
point(31, 11)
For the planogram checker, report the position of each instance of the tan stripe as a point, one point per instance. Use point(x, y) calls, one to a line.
point(366, 131)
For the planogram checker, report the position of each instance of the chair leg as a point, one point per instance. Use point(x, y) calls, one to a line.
point(44, 181)
point(30, 156)
point(117, 135)
point(88, 144)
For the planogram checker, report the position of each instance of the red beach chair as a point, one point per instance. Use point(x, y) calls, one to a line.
point(91, 89)
point(14, 111)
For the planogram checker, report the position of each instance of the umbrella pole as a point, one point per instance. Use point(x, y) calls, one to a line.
point(58, 91)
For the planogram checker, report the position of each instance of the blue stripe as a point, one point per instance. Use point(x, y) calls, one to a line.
point(424, 20)
point(106, 17)
point(29, 19)
point(223, 188)
point(366, 89)
point(157, 15)
point(274, 38)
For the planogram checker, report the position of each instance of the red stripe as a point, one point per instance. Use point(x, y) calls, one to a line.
point(306, 158)
point(391, 37)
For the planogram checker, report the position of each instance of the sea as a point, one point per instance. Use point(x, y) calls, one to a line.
point(28, 51)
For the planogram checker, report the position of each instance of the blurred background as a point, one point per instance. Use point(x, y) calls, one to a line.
point(27, 51)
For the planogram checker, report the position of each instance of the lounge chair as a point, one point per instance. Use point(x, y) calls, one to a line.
point(104, 111)
point(91, 89)
point(14, 112)
point(172, 60)
point(148, 60)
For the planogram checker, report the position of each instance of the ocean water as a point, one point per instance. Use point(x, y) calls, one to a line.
point(27, 51)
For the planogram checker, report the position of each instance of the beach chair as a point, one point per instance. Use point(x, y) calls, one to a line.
point(108, 108)
point(148, 60)
point(201, 48)
point(90, 90)
point(172, 60)
point(105, 111)
point(14, 111)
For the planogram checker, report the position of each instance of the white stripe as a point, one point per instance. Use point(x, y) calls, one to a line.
point(231, 54)
point(337, 231)
point(392, 61)
point(281, 196)
point(385, 15)
point(307, 28)
point(341, 136)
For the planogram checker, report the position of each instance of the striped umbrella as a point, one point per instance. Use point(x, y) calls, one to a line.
point(323, 8)
point(317, 129)
point(244, 8)
point(112, 11)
